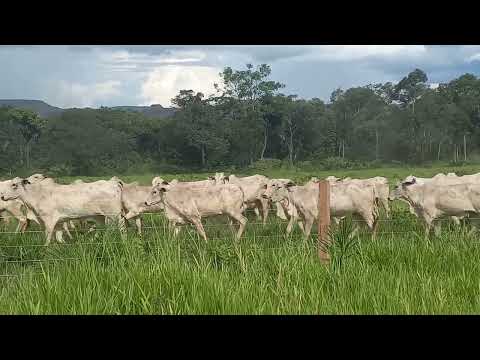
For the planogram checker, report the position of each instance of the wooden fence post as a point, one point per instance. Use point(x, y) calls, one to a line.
point(323, 220)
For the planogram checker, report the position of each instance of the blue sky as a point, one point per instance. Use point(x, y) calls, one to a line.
point(80, 76)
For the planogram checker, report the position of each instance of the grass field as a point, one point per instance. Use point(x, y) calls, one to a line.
point(265, 273)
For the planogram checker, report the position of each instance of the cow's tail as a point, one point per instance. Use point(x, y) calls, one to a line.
point(376, 203)
point(243, 206)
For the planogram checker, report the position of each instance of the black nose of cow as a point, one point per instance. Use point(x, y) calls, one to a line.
point(146, 203)
point(265, 196)
point(3, 198)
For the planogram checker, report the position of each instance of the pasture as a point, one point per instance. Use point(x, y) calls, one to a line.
point(399, 272)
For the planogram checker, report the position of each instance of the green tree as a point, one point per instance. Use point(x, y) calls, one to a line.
point(251, 89)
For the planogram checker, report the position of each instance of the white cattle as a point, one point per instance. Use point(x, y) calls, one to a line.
point(440, 179)
point(436, 200)
point(287, 211)
point(344, 199)
point(190, 204)
point(133, 201)
point(55, 203)
point(381, 187)
point(253, 188)
point(16, 209)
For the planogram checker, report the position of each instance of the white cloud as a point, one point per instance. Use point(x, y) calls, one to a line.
point(434, 85)
point(357, 52)
point(127, 61)
point(474, 57)
point(69, 94)
point(165, 82)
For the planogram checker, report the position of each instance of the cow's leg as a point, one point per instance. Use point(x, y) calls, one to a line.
point(230, 223)
point(456, 220)
point(122, 226)
point(300, 225)
point(242, 221)
point(257, 212)
point(386, 207)
point(138, 223)
point(198, 224)
point(264, 207)
point(437, 227)
point(291, 222)
point(372, 223)
point(428, 226)
point(21, 225)
point(71, 223)
point(308, 227)
point(176, 230)
point(59, 236)
point(280, 211)
point(65, 228)
point(374, 228)
point(50, 224)
point(26, 223)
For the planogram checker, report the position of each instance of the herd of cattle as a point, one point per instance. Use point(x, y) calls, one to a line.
point(59, 208)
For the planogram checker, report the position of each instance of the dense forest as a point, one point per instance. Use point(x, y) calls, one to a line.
point(249, 122)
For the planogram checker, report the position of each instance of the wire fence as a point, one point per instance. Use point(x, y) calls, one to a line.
point(397, 217)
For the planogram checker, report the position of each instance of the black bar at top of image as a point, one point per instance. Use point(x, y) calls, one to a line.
point(239, 24)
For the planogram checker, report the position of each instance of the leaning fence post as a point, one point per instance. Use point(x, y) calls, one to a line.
point(323, 220)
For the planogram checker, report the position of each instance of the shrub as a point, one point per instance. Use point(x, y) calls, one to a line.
point(266, 164)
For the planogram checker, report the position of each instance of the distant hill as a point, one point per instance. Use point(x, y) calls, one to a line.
point(38, 106)
point(45, 110)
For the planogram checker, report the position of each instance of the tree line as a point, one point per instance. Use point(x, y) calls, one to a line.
point(247, 121)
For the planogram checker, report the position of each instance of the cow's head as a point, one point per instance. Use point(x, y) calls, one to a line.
point(159, 181)
point(36, 178)
point(218, 179)
point(401, 188)
point(156, 195)
point(277, 190)
point(13, 189)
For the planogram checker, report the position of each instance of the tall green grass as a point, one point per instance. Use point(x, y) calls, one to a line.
point(399, 272)
point(393, 274)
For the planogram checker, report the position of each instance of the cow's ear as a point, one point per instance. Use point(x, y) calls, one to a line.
point(25, 182)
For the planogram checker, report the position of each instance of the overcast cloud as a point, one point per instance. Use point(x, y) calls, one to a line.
point(81, 76)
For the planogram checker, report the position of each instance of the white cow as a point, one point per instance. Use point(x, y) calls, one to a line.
point(133, 200)
point(55, 203)
point(17, 209)
point(185, 204)
point(286, 210)
point(381, 187)
point(344, 199)
point(253, 188)
point(436, 200)
point(440, 179)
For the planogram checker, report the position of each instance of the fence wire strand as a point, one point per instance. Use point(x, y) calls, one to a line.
point(161, 229)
